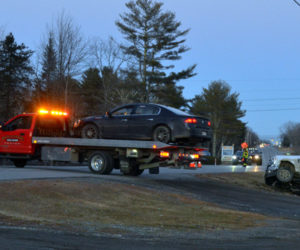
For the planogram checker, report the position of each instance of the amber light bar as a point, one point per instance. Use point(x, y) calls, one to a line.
point(53, 112)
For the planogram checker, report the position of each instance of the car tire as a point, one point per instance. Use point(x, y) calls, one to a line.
point(285, 173)
point(19, 163)
point(101, 162)
point(89, 131)
point(162, 133)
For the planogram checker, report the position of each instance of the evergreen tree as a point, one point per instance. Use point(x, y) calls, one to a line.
point(154, 38)
point(91, 91)
point(224, 110)
point(15, 71)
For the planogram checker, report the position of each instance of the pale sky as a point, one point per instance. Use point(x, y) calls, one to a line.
point(254, 45)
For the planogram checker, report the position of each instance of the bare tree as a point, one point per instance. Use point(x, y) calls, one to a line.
point(71, 49)
point(108, 57)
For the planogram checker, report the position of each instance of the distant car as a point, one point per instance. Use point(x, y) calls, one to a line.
point(255, 156)
point(145, 122)
point(237, 157)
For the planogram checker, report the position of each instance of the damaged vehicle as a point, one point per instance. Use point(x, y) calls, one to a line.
point(284, 169)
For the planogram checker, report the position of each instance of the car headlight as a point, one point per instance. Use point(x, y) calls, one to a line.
point(234, 157)
point(256, 157)
point(76, 124)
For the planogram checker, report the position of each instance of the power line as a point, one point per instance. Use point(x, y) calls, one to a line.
point(266, 110)
point(272, 99)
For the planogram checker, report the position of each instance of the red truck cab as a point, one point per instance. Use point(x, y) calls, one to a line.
point(16, 134)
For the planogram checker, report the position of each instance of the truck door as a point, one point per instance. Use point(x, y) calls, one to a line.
point(15, 135)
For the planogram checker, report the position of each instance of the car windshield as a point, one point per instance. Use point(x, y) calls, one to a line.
point(176, 111)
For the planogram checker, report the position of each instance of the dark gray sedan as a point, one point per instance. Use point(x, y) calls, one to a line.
point(146, 122)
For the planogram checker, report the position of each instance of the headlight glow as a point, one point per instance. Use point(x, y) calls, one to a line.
point(256, 157)
point(234, 157)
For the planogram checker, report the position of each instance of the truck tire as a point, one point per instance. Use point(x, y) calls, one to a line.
point(101, 162)
point(133, 169)
point(19, 163)
point(285, 173)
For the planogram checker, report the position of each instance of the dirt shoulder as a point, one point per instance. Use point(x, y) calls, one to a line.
point(111, 207)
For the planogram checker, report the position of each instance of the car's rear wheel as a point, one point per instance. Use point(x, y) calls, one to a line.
point(162, 133)
point(285, 172)
point(89, 131)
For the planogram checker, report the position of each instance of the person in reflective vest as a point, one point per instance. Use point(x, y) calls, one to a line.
point(245, 153)
point(245, 157)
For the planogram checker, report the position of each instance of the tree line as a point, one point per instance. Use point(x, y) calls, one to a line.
point(88, 77)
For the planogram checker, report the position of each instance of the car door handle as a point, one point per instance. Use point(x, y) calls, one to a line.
point(124, 120)
point(22, 134)
point(150, 119)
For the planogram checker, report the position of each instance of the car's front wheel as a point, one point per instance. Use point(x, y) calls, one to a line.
point(89, 131)
point(162, 133)
point(285, 173)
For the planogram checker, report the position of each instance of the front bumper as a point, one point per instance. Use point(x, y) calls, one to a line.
point(271, 171)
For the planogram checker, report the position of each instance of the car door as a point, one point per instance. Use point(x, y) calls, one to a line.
point(115, 126)
point(142, 121)
point(16, 135)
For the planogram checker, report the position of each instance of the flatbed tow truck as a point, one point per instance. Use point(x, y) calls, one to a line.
point(45, 136)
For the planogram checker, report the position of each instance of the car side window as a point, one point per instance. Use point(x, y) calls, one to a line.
point(23, 122)
point(147, 110)
point(123, 111)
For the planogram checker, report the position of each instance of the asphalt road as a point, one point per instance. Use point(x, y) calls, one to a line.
point(284, 233)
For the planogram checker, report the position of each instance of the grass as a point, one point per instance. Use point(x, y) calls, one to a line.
point(83, 205)
point(248, 180)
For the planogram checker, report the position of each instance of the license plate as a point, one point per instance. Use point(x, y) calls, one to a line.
point(204, 133)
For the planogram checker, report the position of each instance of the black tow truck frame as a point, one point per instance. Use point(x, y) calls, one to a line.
point(131, 157)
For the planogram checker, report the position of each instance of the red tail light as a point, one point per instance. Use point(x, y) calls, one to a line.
point(191, 120)
point(209, 123)
point(164, 154)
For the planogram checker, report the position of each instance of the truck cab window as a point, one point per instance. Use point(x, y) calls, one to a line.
point(23, 122)
point(50, 126)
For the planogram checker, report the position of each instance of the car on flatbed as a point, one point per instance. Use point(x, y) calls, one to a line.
point(146, 122)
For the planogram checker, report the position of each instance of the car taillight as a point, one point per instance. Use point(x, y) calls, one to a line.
point(209, 123)
point(191, 120)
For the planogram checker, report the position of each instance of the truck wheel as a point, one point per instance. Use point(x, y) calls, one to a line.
point(133, 169)
point(89, 131)
point(101, 163)
point(162, 133)
point(285, 173)
point(19, 163)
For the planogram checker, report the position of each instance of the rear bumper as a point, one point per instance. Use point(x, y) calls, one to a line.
point(193, 134)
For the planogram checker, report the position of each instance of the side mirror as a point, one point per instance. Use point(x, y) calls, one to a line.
point(108, 114)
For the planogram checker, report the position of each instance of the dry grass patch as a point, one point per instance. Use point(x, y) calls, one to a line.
point(84, 205)
point(248, 180)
